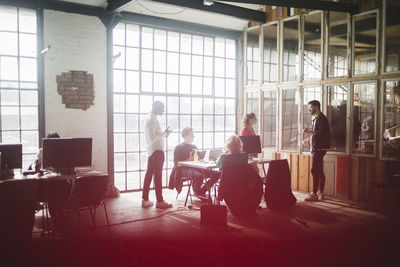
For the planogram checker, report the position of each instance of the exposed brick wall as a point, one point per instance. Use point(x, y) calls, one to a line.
point(76, 89)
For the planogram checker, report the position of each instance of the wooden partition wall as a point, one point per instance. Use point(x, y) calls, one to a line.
point(347, 177)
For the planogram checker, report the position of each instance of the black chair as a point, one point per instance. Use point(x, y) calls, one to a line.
point(88, 194)
point(186, 181)
point(53, 193)
point(17, 210)
point(241, 189)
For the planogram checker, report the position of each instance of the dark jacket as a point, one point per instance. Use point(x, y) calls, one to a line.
point(241, 189)
point(229, 159)
point(182, 152)
point(322, 136)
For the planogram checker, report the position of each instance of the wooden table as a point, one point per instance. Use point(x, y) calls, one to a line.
point(210, 166)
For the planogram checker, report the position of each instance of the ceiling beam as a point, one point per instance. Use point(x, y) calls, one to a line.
point(56, 5)
point(116, 5)
point(307, 4)
point(220, 8)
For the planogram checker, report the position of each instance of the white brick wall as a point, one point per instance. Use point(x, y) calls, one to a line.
point(77, 43)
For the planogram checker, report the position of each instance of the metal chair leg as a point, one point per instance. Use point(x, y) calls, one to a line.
point(188, 192)
point(108, 222)
point(92, 214)
point(190, 195)
point(43, 222)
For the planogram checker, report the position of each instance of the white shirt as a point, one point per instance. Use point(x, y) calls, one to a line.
point(154, 134)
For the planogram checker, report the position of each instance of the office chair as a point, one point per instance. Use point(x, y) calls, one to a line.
point(88, 194)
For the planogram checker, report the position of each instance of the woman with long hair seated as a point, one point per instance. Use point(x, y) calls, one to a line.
point(249, 120)
point(233, 153)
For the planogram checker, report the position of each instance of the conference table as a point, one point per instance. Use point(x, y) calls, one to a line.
point(212, 166)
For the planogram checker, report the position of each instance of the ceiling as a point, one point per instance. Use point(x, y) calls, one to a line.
point(221, 14)
point(162, 10)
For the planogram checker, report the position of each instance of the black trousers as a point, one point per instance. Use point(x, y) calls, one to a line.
point(199, 187)
point(154, 168)
point(317, 170)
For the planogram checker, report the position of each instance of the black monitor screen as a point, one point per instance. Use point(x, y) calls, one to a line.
point(251, 144)
point(67, 152)
point(11, 156)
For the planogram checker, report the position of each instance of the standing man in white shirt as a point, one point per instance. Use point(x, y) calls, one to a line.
point(155, 147)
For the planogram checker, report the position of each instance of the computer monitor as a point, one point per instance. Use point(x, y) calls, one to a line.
point(67, 152)
point(11, 156)
point(251, 144)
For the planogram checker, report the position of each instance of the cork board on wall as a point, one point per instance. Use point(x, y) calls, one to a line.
point(76, 89)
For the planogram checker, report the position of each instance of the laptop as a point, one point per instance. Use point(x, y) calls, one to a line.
point(201, 154)
point(214, 154)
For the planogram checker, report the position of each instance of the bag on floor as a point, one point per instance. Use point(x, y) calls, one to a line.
point(278, 191)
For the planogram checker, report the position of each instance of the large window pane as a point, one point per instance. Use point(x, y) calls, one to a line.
point(337, 98)
point(392, 36)
point(309, 94)
point(252, 56)
point(177, 69)
point(364, 118)
point(252, 106)
point(18, 80)
point(270, 53)
point(337, 44)
point(270, 118)
point(27, 20)
point(9, 18)
point(312, 60)
point(290, 50)
point(391, 120)
point(290, 117)
point(364, 44)
point(8, 43)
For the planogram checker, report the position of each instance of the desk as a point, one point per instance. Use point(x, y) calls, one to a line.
point(43, 182)
point(210, 166)
point(256, 161)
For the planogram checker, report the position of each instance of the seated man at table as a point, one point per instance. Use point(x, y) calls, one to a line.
point(185, 152)
point(37, 164)
point(233, 153)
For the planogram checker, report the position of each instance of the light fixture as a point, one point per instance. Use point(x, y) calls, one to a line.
point(44, 51)
point(208, 2)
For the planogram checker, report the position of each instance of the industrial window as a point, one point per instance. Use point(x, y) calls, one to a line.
point(309, 94)
point(252, 106)
point(391, 119)
point(290, 118)
point(18, 80)
point(337, 101)
point(364, 109)
point(312, 60)
point(290, 49)
point(193, 75)
point(337, 44)
point(270, 53)
point(253, 56)
point(365, 43)
point(270, 116)
point(392, 35)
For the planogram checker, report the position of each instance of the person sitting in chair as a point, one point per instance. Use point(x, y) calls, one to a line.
point(185, 152)
point(233, 153)
point(37, 164)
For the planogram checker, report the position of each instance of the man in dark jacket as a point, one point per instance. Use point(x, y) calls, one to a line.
point(319, 141)
point(185, 152)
